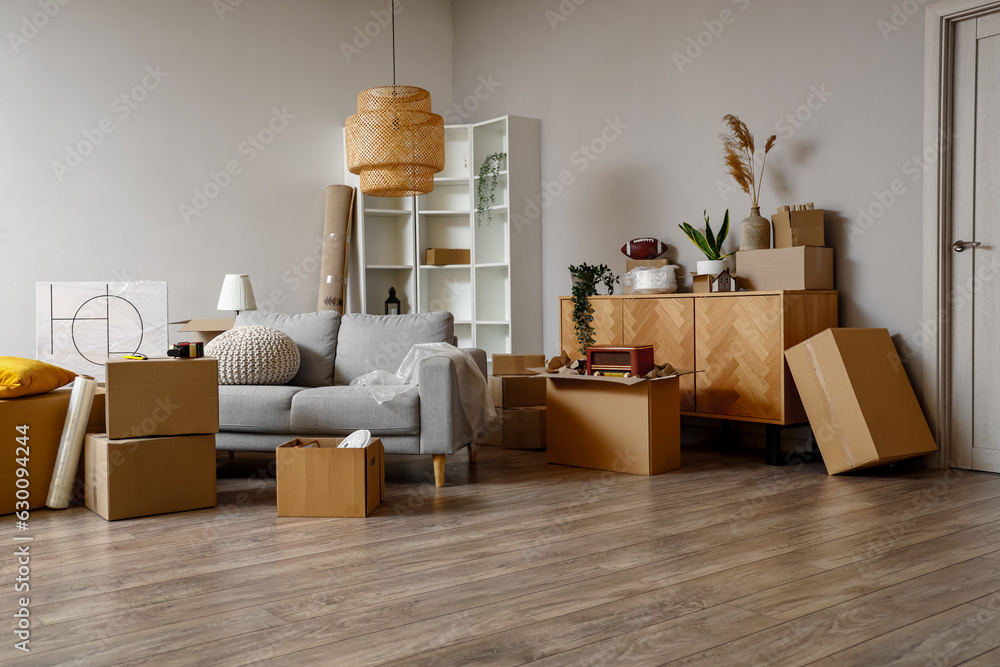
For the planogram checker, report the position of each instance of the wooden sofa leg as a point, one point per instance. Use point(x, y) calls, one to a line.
point(439, 470)
point(473, 452)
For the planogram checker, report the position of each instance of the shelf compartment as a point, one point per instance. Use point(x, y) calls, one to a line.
point(491, 137)
point(493, 338)
point(463, 331)
point(491, 240)
point(389, 240)
point(388, 204)
point(491, 293)
point(377, 289)
point(444, 231)
point(456, 152)
point(448, 196)
point(447, 288)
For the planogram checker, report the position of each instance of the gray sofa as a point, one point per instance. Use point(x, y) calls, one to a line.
point(426, 419)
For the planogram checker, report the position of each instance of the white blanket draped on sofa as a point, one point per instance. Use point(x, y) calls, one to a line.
point(477, 402)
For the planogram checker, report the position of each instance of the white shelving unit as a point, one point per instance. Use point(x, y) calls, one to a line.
point(496, 300)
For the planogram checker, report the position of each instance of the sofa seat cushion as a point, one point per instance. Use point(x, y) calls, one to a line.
point(340, 410)
point(256, 408)
point(380, 342)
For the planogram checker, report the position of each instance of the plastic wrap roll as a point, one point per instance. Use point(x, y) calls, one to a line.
point(68, 458)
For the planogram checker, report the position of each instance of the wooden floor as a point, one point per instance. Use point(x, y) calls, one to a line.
point(724, 562)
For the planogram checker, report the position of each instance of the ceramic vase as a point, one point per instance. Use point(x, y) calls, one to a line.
point(755, 231)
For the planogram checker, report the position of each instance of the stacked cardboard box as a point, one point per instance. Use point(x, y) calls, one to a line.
point(158, 454)
point(519, 397)
point(799, 259)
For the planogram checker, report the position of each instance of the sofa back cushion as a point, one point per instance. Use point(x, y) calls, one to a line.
point(315, 334)
point(381, 342)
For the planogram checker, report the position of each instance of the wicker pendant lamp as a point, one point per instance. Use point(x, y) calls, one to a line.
point(394, 142)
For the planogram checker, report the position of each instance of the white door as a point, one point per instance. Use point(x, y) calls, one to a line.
point(975, 302)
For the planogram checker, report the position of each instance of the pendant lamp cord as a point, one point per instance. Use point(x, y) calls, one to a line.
point(392, 8)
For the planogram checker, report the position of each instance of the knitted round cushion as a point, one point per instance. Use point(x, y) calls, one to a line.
point(254, 355)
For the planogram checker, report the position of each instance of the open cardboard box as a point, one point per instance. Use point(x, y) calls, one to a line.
point(326, 481)
point(202, 331)
point(629, 425)
point(859, 401)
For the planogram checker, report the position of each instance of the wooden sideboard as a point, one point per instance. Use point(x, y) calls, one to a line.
point(737, 340)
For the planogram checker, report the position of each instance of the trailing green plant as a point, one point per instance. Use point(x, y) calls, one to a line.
point(585, 281)
point(709, 243)
point(489, 176)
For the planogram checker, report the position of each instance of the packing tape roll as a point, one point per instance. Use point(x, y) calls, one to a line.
point(68, 458)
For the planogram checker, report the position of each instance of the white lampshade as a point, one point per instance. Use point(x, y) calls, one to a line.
point(237, 294)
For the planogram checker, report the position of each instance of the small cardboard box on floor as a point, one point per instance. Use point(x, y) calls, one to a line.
point(859, 401)
point(517, 391)
point(162, 397)
point(146, 476)
point(627, 425)
point(329, 482)
point(516, 364)
point(45, 416)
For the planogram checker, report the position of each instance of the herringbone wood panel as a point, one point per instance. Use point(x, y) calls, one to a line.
point(607, 325)
point(667, 325)
point(743, 375)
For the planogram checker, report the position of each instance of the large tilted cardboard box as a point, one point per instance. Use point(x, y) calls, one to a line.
point(517, 391)
point(859, 401)
point(323, 480)
point(162, 397)
point(44, 415)
point(798, 228)
point(146, 476)
point(799, 268)
point(627, 425)
point(516, 364)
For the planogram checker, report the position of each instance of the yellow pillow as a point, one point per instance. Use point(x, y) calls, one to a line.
point(27, 377)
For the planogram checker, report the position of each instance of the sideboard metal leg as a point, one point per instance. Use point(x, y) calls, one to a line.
point(774, 457)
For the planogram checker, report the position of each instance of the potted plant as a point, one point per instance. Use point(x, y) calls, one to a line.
point(739, 151)
point(489, 176)
point(710, 244)
point(585, 281)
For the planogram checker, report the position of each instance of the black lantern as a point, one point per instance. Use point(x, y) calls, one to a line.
point(392, 303)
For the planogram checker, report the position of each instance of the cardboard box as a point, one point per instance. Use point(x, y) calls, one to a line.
point(444, 256)
point(636, 263)
point(518, 391)
point(523, 428)
point(162, 397)
point(516, 364)
point(860, 403)
point(146, 476)
point(204, 330)
point(702, 284)
point(45, 416)
point(619, 424)
point(329, 482)
point(798, 228)
point(799, 268)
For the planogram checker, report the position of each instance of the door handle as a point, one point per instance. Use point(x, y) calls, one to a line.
point(962, 246)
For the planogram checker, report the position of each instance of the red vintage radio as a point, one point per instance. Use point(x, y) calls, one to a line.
point(624, 361)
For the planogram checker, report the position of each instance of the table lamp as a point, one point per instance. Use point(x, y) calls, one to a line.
point(237, 293)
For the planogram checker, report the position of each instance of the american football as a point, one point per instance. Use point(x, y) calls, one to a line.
point(645, 248)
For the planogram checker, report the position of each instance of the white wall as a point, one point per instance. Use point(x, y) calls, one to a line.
point(117, 214)
point(577, 64)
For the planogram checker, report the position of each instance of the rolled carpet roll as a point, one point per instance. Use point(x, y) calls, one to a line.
point(68, 457)
point(336, 248)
